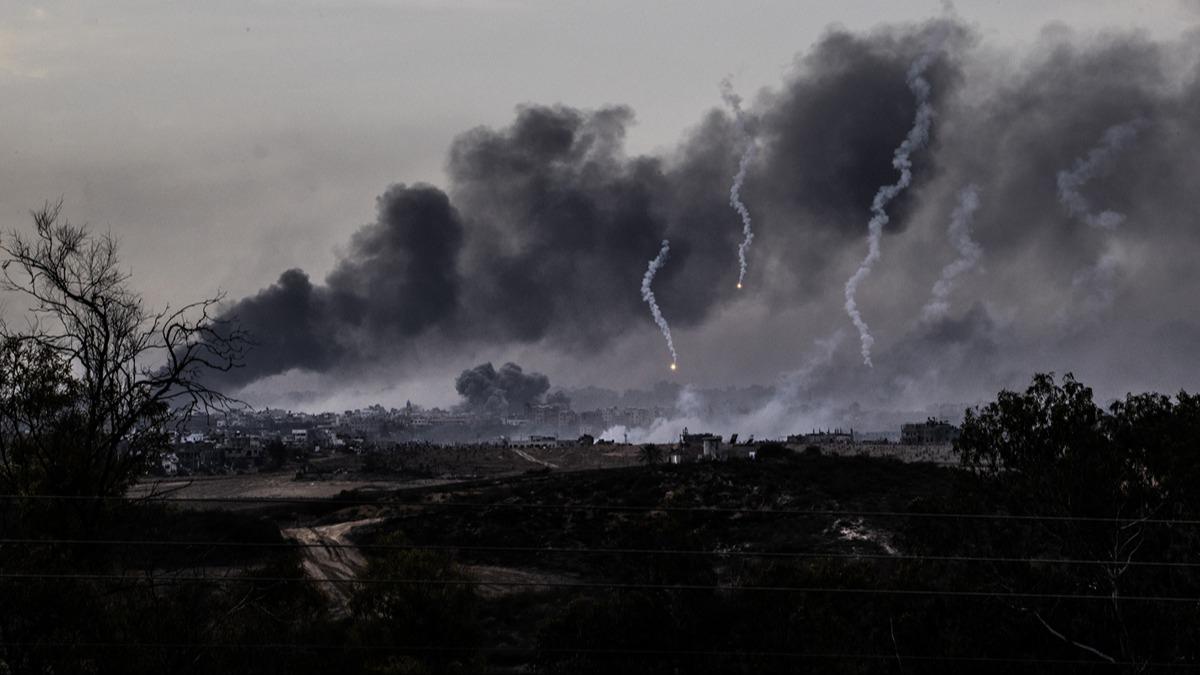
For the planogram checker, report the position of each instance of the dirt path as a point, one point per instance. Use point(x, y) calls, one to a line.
point(497, 581)
point(525, 455)
point(329, 554)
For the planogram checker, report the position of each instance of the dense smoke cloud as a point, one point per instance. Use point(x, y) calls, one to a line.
point(397, 280)
point(540, 237)
point(546, 238)
point(507, 390)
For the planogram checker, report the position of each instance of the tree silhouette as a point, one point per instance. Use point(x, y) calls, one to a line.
point(97, 375)
point(1108, 479)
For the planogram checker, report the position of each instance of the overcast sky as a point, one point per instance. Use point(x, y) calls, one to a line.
point(227, 141)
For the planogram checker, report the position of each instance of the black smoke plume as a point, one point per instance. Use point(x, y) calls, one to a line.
point(541, 234)
point(499, 392)
point(545, 229)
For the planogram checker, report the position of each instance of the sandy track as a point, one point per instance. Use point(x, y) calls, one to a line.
point(526, 456)
point(500, 579)
point(329, 554)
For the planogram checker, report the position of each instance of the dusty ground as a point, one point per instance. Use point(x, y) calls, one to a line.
point(329, 554)
point(580, 458)
point(530, 458)
point(437, 466)
point(278, 484)
point(446, 466)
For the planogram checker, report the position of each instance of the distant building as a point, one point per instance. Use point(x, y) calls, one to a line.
point(536, 442)
point(825, 437)
point(631, 418)
point(211, 456)
point(929, 432)
point(592, 422)
point(197, 457)
point(243, 452)
point(707, 443)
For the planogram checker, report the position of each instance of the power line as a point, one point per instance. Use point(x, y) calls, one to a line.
point(589, 651)
point(337, 501)
point(555, 550)
point(200, 578)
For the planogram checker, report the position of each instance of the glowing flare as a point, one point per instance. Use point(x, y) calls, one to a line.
point(672, 366)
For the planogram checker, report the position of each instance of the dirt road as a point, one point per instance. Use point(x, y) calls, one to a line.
point(526, 456)
point(329, 554)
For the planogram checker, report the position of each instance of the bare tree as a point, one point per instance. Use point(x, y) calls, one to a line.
point(126, 371)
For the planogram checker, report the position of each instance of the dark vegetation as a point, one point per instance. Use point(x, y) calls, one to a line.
point(1077, 561)
point(1065, 542)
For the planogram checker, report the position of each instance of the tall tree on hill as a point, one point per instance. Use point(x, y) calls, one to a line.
point(1114, 487)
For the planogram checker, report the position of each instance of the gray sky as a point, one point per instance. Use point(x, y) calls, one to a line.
point(225, 142)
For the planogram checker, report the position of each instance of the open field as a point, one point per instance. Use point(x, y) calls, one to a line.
point(409, 467)
point(420, 466)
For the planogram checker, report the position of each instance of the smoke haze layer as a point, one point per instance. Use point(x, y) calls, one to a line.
point(535, 248)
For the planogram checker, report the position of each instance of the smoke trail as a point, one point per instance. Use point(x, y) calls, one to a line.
point(1070, 182)
point(1095, 287)
point(917, 137)
point(735, 191)
point(648, 296)
point(969, 252)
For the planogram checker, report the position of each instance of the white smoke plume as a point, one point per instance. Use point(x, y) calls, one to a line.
point(735, 191)
point(792, 409)
point(1094, 288)
point(648, 296)
point(917, 137)
point(969, 252)
point(1071, 182)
